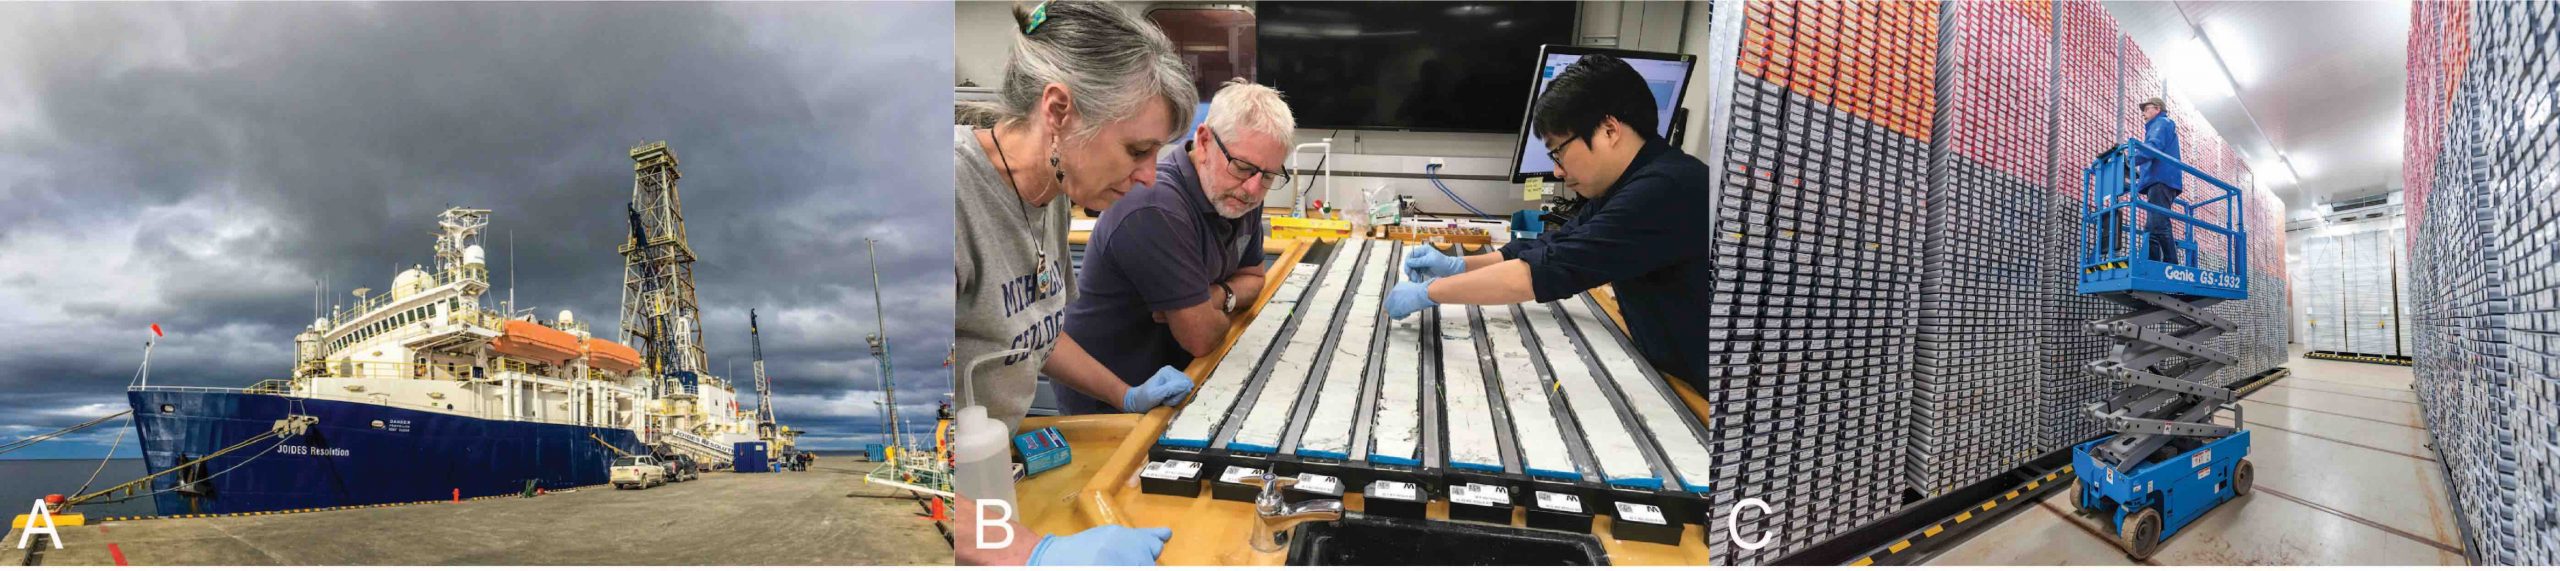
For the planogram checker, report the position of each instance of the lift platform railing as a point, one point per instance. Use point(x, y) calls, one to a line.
point(2206, 232)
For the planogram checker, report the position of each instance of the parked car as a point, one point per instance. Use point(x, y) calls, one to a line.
point(638, 472)
point(682, 468)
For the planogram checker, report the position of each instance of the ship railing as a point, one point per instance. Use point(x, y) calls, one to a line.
point(361, 306)
point(369, 303)
point(186, 389)
point(385, 400)
point(695, 439)
point(395, 370)
point(916, 478)
point(466, 273)
point(265, 387)
point(482, 318)
point(506, 365)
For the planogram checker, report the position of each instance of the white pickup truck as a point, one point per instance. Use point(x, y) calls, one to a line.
point(639, 472)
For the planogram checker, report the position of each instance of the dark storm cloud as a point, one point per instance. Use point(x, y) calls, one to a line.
point(205, 166)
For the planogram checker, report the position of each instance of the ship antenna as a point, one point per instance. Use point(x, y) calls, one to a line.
point(511, 273)
point(142, 378)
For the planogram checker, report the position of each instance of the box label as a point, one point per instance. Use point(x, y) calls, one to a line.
point(1239, 475)
point(1394, 491)
point(1641, 513)
point(1480, 495)
point(1319, 483)
point(1552, 501)
point(1172, 470)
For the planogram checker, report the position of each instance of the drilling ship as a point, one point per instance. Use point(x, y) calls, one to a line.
point(428, 392)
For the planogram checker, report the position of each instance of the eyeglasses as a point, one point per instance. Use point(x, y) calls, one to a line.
point(1555, 153)
point(1270, 178)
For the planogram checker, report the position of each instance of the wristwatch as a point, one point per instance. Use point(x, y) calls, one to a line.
point(1231, 297)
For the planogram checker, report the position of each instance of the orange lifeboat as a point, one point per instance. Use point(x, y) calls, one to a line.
point(531, 341)
point(611, 356)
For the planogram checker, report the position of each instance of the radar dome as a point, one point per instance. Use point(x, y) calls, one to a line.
point(565, 317)
point(411, 282)
point(473, 256)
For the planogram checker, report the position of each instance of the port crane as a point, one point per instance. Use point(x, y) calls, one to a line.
point(765, 422)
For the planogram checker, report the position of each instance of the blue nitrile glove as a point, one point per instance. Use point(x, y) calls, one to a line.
point(1408, 298)
point(1106, 545)
point(1423, 262)
point(1164, 389)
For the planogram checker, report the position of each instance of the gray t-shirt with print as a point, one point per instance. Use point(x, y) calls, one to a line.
point(1010, 295)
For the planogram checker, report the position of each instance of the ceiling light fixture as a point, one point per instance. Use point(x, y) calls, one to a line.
point(2200, 72)
point(2221, 80)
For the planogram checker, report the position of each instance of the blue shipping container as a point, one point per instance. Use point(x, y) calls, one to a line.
point(751, 457)
point(876, 452)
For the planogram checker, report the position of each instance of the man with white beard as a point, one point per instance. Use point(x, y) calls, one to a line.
point(1169, 265)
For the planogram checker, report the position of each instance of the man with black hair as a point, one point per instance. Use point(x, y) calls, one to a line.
point(1646, 228)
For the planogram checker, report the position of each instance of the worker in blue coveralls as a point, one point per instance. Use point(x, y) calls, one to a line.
point(2159, 182)
point(1647, 229)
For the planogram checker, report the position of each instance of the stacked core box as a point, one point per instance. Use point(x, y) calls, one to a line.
point(2351, 300)
point(2087, 92)
point(2258, 343)
point(2484, 316)
point(1825, 138)
point(1973, 408)
point(1898, 248)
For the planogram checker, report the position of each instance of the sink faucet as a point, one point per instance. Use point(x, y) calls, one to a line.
point(1274, 518)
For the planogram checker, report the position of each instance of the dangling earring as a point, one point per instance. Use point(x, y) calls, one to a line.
point(1057, 173)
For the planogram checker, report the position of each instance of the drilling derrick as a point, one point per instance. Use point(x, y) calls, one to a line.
point(659, 314)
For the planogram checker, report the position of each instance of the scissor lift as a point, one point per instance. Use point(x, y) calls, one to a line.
point(2166, 462)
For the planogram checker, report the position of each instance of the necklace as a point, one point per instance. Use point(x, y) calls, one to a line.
point(1047, 279)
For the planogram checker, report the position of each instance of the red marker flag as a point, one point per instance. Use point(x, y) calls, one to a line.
point(155, 331)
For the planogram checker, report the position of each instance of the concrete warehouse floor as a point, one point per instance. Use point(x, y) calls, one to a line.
point(824, 516)
point(2344, 477)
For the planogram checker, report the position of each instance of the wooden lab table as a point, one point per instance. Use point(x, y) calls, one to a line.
point(1100, 486)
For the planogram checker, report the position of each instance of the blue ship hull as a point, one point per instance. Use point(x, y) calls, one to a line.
point(356, 454)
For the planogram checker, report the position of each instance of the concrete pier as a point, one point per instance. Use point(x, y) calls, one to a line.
point(824, 516)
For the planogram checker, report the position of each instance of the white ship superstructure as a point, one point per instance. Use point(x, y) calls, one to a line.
point(429, 343)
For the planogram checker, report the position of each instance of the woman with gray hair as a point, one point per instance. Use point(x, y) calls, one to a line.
point(1089, 94)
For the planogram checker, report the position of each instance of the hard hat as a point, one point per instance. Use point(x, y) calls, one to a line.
point(2154, 102)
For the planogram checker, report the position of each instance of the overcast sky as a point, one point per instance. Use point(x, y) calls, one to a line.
point(203, 165)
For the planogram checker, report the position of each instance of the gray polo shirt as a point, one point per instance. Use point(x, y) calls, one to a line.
point(1158, 249)
point(1008, 298)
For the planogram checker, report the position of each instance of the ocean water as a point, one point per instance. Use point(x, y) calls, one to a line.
point(22, 482)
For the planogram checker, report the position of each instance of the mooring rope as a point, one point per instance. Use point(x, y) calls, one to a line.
point(32, 440)
point(102, 462)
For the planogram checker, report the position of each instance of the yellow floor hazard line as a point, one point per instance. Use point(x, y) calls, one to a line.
point(1965, 516)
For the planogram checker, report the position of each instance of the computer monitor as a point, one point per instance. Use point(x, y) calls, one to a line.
point(1667, 74)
